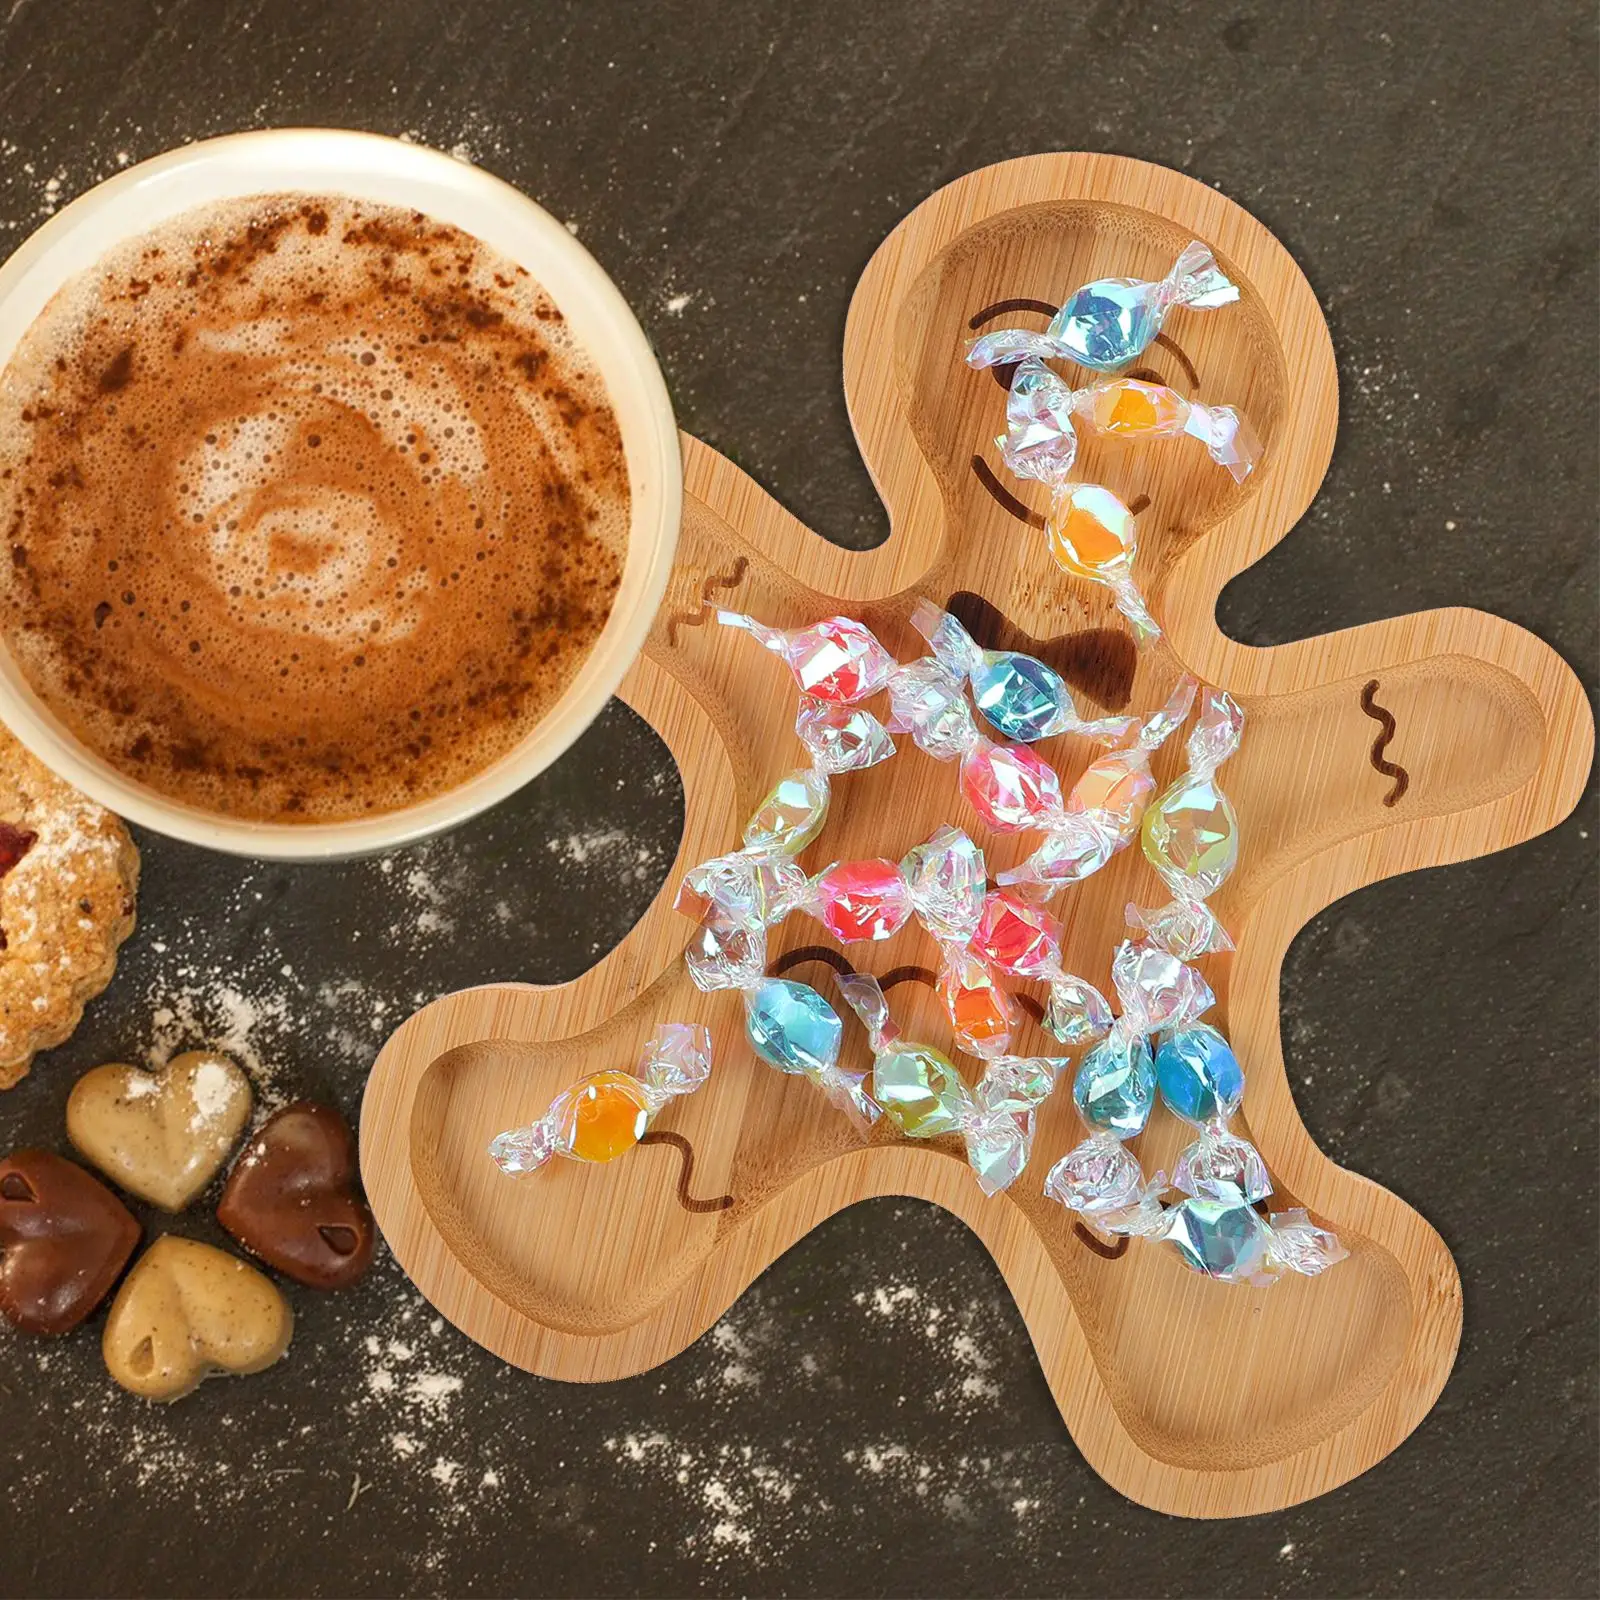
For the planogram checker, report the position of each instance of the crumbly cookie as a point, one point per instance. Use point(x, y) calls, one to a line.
point(69, 874)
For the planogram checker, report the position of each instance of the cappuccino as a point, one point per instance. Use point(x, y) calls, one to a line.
point(312, 508)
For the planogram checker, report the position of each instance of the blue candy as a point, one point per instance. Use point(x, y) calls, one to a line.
point(1107, 323)
point(791, 1026)
point(1116, 1085)
point(1224, 1239)
point(1019, 695)
point(1199, 1074)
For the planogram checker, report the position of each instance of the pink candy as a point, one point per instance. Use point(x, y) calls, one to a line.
point(1010, 787)
point(861, 900)
point(838, 660)
point(1017, 936)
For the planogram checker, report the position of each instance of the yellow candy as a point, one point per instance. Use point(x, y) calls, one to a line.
point(1091, 533)
point(605, 1116)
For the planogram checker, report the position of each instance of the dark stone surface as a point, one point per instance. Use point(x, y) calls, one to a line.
point(870, 1419)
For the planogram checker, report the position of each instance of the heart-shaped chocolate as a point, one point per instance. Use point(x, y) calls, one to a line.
point(163, 1135)
point(64, 1237)
point(292, 1199)
point(188, 1311)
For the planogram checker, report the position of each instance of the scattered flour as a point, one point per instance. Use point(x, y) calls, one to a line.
point(243, 1027)
point(744, 1497)
point(214, 1089)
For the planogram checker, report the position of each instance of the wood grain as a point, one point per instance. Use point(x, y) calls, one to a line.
point(1192, 1397)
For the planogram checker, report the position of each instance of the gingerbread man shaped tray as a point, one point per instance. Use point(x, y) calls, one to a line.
point(1402, 744)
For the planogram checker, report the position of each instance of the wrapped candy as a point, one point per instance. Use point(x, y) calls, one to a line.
point(981, 1011)
point(1215, 1227)
point(1017, 935)
point(837, 660)
point(841, 738)
point(736, 898)
point(1108, 323)
point(1018, 695)
point(605, 1114)
point(1104, 809)
point(1093, 535)
point(1191, 837)
point(1115, 1089)
point(1043, 410)
point(857, 900)
point(924, 1095)
point(949, 885)
point(791, 1027)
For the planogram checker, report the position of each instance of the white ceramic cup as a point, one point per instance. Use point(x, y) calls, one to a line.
point(363, 166)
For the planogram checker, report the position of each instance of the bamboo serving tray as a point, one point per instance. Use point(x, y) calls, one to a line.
point(1402, 744)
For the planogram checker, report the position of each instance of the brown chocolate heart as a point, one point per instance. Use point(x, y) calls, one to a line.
point(291, 1198)
point(64, 1237)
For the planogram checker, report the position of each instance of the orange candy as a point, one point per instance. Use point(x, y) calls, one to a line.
point(1119, 785)
point(605, 1116)
point(980, 1011)
point(1091, 532)
point(1129, 408)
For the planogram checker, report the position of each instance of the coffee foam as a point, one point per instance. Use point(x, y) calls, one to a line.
point(314, 507)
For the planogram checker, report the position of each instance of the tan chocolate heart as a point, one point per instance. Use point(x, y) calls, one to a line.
point(187, 1312)
point(163, 1135)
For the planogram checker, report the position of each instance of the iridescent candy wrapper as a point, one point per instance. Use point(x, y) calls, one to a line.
point(1092, 534)
point(841, 738)
point(1021, 697)
point(1191, 837)
point(1043, 411)
point(857, 900)
point(1231, 1241)
point(1101, 1180)
point(1000, 1121)
point(1104, 809)
point(924, 1095)
point(1108, 323)
point(1017, 936)
point(791, 1027)
point(837, 660)
point(948, 880)
point(605, 1114)
point(1077, 1013)
point(981, 1011)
